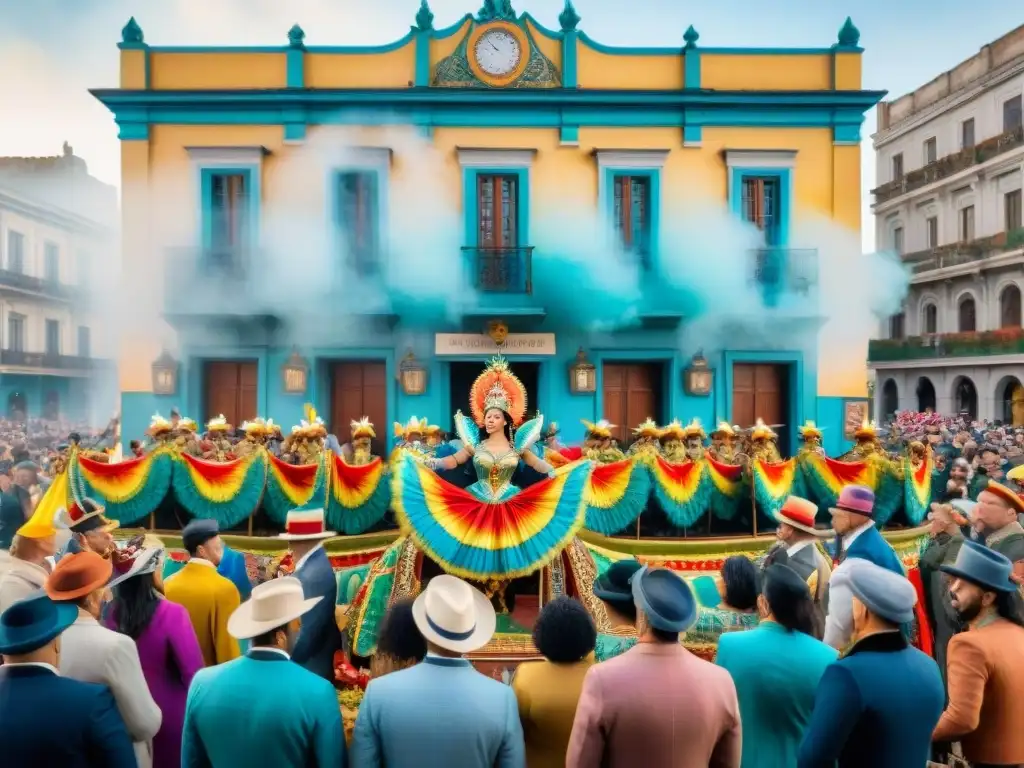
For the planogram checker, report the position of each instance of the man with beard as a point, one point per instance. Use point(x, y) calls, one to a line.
point(995, 520)
point(986, 663)
point(262, 708)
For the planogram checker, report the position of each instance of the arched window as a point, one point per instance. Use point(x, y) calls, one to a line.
point(925, 394)
point(968, 316)
point(896, 326)
point(17, 407)
point(931, 319)
point(890, 399)
point(51, 405)
point(1010, 401)
point(1009, 307)
point(965, 398)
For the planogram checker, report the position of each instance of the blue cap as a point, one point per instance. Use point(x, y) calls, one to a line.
point(198, 532)
point(29, 624)
point(665, 599)
point(888, 595)
point(613, 584)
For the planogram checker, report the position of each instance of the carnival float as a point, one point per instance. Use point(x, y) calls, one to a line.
point(503, 504)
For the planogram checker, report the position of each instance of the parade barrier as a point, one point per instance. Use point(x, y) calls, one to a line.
point(356, 497)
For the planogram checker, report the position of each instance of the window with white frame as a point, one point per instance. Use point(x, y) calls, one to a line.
point(966, 233)
point(931, 232)
point(897, 166)
point(931, 150)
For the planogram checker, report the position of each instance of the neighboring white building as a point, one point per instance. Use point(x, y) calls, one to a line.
point(950, 166)
point(56, 232)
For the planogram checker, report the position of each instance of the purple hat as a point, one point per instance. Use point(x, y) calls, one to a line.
point(858, 499)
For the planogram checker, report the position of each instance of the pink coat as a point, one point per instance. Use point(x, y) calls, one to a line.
point(659, 706)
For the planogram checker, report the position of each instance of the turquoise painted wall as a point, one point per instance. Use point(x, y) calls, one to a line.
point(79, 398)
point(830, 414)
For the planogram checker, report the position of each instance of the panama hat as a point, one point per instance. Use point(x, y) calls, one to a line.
point(454, 615)
point(799, 513)
point(305, 525)
point(273, 604)
point(29, 624)
point(78, 574)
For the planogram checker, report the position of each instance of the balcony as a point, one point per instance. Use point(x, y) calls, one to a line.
point(960, 254)
point(42, 360)
point(785, 272)
point(19, 281)
point(1007, 341)
point(946, 166)
point(501, 270)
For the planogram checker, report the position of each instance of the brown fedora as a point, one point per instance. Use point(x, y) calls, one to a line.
point(78, 574)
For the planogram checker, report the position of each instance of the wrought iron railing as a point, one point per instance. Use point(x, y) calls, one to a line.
point(785, 270)
point(950, 164)
point(502, 269)
point(23, 282)
point(958, 254)
point(45, 360)
point(1007, 341)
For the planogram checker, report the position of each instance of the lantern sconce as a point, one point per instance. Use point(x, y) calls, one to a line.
point(412, 375)
point(698, 378)
point(295, 374)
point(165, 374)
point(582, 375)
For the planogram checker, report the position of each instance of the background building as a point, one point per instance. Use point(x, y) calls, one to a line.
point(343, 225)
point(950, 157)
point(57, 225)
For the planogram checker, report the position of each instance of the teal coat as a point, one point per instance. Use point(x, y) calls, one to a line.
point(776, 674)
point(441, 713)
point(261, 711)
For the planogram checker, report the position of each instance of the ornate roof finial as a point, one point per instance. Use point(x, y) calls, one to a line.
point(132, 32)
point(296, 36)
point(849, 35)
point(496, 10)
point(424, 17)
point(568, 18)
point(691, 36)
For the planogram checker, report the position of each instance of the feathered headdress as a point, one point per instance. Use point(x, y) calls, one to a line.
point(672, 431)
point(311, 426)
point(362, 428)
point(762, 431)
point(413, 426)
point(867, 430)
point(694, 429)
point(498, 387)
point(602, 428)
point(809, 430)
point(219, 424)
point(187, 425)
point(646, 429)
point(158, 425)
point(272, 428)
point(724, 428)
point(255, 427)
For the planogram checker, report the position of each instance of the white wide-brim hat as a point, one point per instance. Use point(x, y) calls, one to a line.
point(454, 615)
point(273, 604)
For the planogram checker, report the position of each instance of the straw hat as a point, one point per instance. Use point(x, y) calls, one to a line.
point(454, 615)
point(273, 604)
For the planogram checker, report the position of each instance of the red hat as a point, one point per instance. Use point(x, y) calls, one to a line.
point(1007, 495)
point(78, 574)
point(87, 515)
point(800, 513)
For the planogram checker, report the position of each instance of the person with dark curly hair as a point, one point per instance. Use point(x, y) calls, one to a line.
point(739, 584)
point(548, 690)
point(399, 644)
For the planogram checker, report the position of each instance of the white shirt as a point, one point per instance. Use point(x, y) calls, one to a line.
point(42, 664)
point(306, 556)
point(839, 622)
point(794, 548)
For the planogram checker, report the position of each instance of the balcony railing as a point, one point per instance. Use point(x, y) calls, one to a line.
point(44, 360)
point(1007, 341)
point(950, 164)
point(22, 282)
point(958, 254)
point(501, 270)
point(785, 271)
point(209, 279)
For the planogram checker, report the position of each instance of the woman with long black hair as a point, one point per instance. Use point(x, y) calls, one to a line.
point(776, 668)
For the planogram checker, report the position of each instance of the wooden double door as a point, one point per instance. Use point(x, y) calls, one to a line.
point(358, 389)
point(632, 394)
point(761, 390)
point(231, 389)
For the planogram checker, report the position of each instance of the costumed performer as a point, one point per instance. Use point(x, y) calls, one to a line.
point(645, 439)
point(723, 443)
point(358, 452)
point(492, 530)
point(693, 439)
point(672, 437)
point(599, 443)
point(810, 439)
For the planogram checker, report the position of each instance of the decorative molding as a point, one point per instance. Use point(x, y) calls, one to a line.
point(474, 157)
point(211, 156)
point(631, 158)
point(760, 158)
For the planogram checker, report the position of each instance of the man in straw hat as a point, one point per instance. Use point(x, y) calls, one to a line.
point(26, 571)
point(986, 663)
point(46, 719)
point(262, 709)
point(442, 713)
point(859, 539)
point(995, 520)
point(208, 596)
point(319, 639)
point(876, 706)
point(800, 536)
point(94, 654)
point(657, 704)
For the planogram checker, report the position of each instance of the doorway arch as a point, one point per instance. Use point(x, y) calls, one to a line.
point(1009, 398)
point(1009, 307)
point(925, 394)
point(17, 406)
point(965, 397)
point(890, 399)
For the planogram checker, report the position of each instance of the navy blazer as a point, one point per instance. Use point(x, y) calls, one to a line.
point(876, 707)
point(49, 721)
point(872, 546)
point(319, 637)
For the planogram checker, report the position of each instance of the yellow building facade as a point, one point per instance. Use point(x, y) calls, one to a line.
point(474, 139)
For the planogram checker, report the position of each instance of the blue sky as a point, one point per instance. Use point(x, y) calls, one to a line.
point(51, 51)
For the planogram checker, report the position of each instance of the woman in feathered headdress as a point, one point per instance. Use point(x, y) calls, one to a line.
point(492, 531)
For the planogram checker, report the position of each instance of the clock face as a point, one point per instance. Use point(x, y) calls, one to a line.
point(497, 52)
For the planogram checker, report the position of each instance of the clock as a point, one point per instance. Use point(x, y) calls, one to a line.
point(498, 53)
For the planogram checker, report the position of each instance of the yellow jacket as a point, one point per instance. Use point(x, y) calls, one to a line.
point(547, 694)
point(209, 599)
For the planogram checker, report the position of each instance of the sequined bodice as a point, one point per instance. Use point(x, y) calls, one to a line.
point(494, 472)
